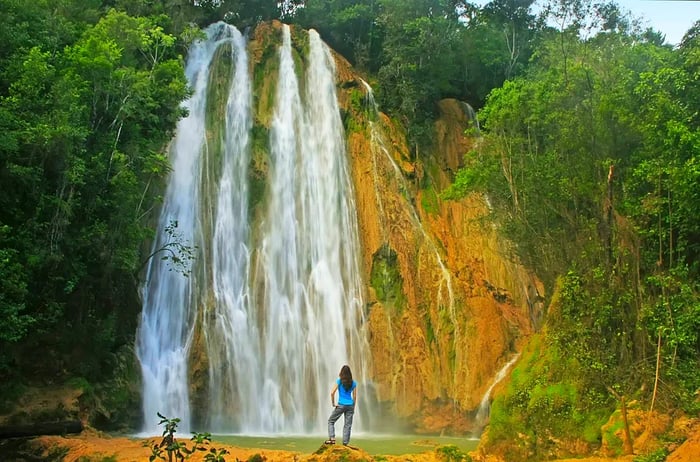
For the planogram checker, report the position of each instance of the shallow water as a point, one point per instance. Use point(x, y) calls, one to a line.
point(375, 445)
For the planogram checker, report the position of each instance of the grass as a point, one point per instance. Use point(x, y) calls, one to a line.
point(374, 445)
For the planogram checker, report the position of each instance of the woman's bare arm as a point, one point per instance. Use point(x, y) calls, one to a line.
point(335, 388)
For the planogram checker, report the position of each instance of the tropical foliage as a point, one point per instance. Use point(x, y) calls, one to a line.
point(89, 98)
point(590, 161)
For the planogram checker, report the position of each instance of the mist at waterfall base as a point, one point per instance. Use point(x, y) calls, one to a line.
point(277, 308)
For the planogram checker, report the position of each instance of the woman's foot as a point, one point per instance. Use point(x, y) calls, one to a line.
point(329, 441)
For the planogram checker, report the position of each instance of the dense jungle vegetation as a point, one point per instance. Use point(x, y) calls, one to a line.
point(589, 156)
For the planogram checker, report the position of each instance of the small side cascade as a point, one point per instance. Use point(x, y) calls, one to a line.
point(485, 405)
point(445, 292)
point(471, 115)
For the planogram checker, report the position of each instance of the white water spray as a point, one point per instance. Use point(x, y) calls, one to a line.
point(282, 303)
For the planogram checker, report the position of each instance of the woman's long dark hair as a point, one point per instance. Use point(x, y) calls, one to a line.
point(346, 377)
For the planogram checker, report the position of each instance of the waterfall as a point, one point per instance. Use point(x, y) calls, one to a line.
point(231, 331)
point(472, 118)
point(379, 144)
point(167, 319)
point(485, 405)
point(279, 301)
point(308, 257)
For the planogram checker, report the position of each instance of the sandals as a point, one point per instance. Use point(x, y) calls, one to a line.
point(329, 441)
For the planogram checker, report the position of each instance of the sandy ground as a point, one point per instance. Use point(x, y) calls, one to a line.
point(91, 446)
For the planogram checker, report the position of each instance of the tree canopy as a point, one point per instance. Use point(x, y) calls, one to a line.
point(89, 99)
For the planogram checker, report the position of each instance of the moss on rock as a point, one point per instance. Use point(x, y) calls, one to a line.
point(386, 279)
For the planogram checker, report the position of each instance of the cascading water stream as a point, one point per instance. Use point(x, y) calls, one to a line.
point(231, 330)
point(485, 405)
point(471, 116)
point(280, 305)
point(169, 306)
point(378, 143)
point(308, 255)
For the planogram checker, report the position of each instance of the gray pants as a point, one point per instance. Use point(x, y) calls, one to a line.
point(348, 412)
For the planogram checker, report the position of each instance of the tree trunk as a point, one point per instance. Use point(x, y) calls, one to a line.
point(627, 442)
point(656, 379)
point(609, 216)
point(41, 428)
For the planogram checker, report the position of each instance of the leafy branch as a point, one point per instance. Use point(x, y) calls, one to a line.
point(176, 251)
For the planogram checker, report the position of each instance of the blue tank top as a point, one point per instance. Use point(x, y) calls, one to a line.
point(345, 396)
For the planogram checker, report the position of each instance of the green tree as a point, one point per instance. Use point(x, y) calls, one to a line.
point(420, 62)
point(498, 42)
point(589, 161)
point(85, 126)
point(348, 26)
point(242, 13)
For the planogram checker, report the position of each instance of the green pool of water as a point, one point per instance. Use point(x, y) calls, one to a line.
point(375, 445)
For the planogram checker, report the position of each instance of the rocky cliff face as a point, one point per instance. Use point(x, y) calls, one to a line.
point(447, 302)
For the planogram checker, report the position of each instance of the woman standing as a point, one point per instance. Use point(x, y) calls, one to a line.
point(347, 397)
